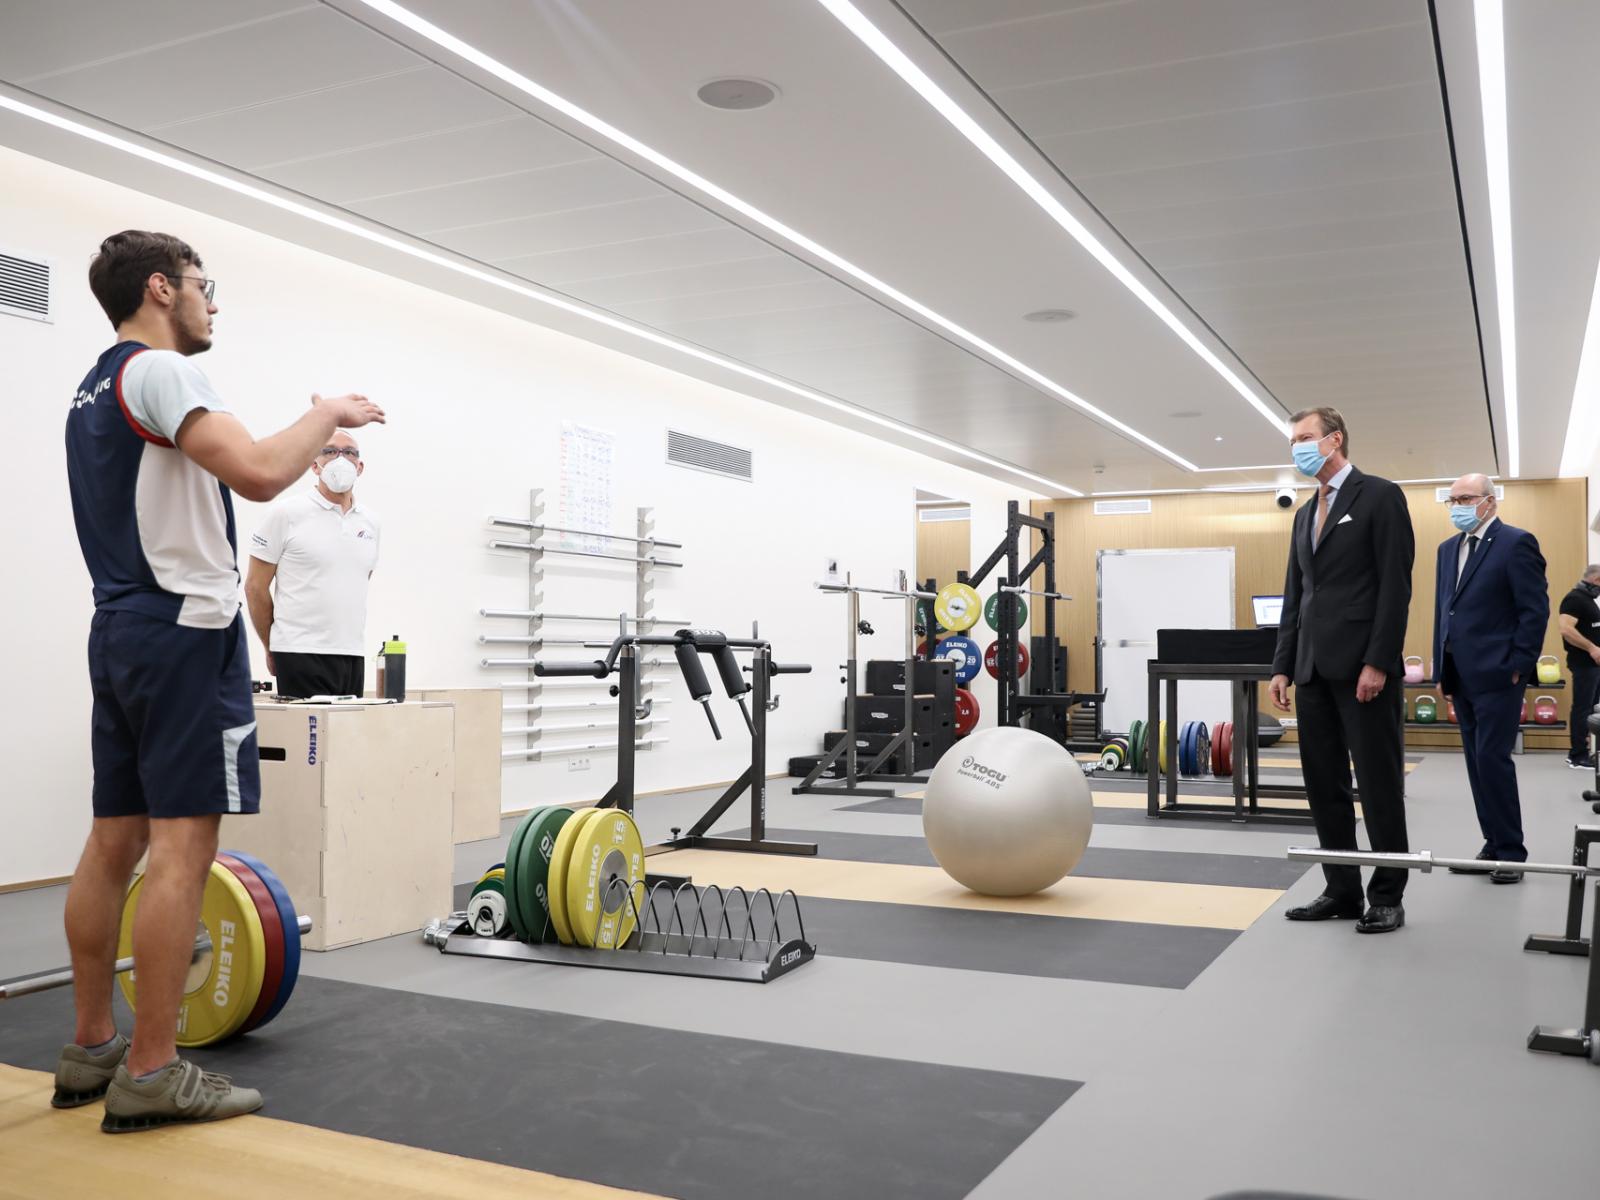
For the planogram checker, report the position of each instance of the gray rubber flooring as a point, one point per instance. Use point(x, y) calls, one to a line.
point(1302, 1058)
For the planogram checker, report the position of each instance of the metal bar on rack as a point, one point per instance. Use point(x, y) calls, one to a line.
point(522, 614)
point(581, 727)
point(589, 747)
point(1022, 591)
point(497, 544)
point(590, 704)
point(539, 639)
point(519, 523)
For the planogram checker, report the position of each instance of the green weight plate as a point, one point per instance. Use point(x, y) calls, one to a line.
point(991, 612)
point(1136, 745)
point(533, 871)
point(514, 914)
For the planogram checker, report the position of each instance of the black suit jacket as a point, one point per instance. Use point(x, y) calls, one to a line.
point(1346, 599)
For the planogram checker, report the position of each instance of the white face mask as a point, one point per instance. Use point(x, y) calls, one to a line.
point(339, 475)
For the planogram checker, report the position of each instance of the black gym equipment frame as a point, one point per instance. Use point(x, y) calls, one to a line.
point(905, 737)
point(688, 645)
point(1014, 705)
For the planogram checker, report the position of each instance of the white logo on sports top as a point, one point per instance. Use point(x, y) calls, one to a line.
point(84, 397)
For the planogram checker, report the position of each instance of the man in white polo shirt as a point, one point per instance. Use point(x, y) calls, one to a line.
point(320, 547)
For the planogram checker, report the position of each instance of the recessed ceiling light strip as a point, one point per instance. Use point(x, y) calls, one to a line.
point(492, 66)
point(1489, 21)
point(897, 61)
point(1583, 425)
point(508, 284)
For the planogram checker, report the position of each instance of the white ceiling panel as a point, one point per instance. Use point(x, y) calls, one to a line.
point(594, 181)
point(295, 54)
point(511, 141)
point(638, 255)
point(46, 36)
point(767, 270)
point(1110, 38)
point(339, 118)
point(622, 222)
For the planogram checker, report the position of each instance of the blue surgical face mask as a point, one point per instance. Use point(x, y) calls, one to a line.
point(1464, 516)
point(1308, 459)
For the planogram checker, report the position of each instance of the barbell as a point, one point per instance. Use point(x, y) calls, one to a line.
point(245, 961)
point(1425, 861)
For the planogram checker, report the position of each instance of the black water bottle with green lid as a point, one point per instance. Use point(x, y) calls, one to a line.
point(393, 654)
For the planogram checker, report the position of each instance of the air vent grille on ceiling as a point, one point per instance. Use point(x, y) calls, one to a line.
point(24, 287)
point(700, 454)
point(1121, 508)
point(929, 515)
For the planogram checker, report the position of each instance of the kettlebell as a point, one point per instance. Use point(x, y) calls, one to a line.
point(1414, 669)
point(1427, 710)
point(1545, 710)
point(1450, 711)
point(1548, 669)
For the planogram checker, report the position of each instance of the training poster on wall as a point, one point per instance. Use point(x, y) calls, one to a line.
point(588, 461)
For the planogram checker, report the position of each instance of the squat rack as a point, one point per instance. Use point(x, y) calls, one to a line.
point(853, 772)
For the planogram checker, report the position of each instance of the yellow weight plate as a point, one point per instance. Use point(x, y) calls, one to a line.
point(223, 985)
point(496, 873)
point(1163, 756)
point(608, 848)
point(957, 607)
point(560, 859)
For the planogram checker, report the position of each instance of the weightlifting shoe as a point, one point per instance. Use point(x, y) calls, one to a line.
point(82, 1078)
point(1381, 918)
point(182, 1092)
point(1326, 908)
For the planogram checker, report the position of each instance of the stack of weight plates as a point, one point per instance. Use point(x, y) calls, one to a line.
point(1194, 748)
point(1116, 754)
point(1222, 749)
point(250, 971)
point(569, 876)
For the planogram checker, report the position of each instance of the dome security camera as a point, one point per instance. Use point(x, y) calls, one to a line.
point(1285, 497)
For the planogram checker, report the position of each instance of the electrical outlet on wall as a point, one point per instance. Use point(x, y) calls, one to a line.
point(578, 764)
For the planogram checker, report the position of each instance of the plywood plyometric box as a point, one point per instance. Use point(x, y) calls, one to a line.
point(357, 807)
point(477, 745)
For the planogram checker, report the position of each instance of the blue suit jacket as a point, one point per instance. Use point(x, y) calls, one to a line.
point(1494, 619)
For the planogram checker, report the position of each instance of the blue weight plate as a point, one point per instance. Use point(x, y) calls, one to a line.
point(965, 653)
point(291, 932)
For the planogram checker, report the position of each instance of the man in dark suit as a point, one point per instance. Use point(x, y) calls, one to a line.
point(1490, 610)
point(1346, 599)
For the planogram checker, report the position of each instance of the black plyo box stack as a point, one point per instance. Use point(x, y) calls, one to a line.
point(934, 677)
point(868, 747)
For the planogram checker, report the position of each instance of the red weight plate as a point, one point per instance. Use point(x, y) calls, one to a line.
point(991, 660)
point(271, 928)
point(1226, 742)
point(966, 712)
point(1216, 748)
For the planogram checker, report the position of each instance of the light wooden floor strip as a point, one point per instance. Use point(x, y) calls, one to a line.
point(1139, 900)
point(48, 1154)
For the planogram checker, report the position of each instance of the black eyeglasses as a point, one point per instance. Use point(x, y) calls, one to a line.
point(208, 286)
point(349, 452)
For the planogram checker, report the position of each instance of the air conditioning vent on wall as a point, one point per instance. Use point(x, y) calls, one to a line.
point(699, 454)
point(24, 287)
point(928, 515)
point(1121, 508)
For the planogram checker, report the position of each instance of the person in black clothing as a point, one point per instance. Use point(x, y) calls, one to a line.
point(1580, 623)
point(1346, 599)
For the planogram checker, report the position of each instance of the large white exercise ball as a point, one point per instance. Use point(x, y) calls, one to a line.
point(1007, 812)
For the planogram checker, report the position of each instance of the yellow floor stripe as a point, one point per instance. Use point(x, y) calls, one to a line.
point(47, 1153)
point(1144, 901)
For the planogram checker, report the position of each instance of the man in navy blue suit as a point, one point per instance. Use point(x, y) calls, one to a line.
point(1491, 607)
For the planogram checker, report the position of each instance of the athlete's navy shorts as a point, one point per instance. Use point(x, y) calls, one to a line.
point(174, 728)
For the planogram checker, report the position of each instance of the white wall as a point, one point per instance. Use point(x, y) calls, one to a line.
point(476, 400)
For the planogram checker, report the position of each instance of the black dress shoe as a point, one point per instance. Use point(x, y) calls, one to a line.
point(1505, 876)
point(1381, 918)
point(1482, 854)
point(1326, 908)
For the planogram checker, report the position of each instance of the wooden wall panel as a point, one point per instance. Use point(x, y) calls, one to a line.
point(1553, 510)
point(943, 548)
